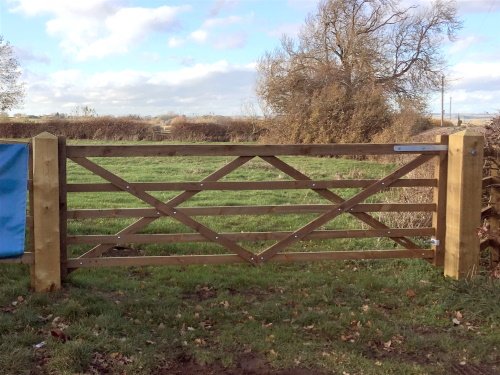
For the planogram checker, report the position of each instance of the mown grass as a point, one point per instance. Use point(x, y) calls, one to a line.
point(356, 317)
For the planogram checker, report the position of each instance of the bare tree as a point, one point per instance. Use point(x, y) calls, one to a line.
point(11, 89)
point(357, 48)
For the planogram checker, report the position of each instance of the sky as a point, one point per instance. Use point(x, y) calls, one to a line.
point(198, 57)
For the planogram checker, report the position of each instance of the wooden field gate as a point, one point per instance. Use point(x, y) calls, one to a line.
point(457, 162)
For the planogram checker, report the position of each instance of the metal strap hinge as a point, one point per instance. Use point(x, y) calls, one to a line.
point(413, 148)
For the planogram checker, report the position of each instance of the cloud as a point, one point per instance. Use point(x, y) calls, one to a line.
point(97, 28)
point(290, 29)
point(217, 22)
point(174, 42)
point(474, 87)
point(199, 35)
point(477, 6)
point(25, 56)
point(200, 89)
point(220, 5)
point(463, 44)
point(231, 41)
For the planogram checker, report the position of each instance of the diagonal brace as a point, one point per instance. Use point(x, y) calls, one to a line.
point(334, 198)
point(177, 200)
point(342, 207)
point(166, 209)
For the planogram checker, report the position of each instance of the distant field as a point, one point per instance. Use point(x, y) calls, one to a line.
point(353, 317)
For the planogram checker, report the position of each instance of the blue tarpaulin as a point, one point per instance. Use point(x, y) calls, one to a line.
point(13, 194)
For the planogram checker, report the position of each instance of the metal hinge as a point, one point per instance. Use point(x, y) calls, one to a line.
point(434, 242)
point(412, 148)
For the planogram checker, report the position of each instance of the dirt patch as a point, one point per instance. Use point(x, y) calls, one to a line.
point(201, 293)
point(248, 364)
point(122, 251)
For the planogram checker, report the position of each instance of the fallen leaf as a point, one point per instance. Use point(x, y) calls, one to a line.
point(59, 334)
point(410, 293)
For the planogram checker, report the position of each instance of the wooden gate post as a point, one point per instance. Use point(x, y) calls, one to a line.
point(47, 264)
point(463, 208)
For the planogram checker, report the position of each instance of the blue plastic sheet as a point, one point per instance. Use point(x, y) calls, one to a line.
point(13, 195)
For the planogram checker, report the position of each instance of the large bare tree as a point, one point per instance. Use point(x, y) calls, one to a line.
point(359, 54)
point(11, 88)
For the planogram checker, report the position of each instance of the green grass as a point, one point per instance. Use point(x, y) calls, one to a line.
point(357, 317)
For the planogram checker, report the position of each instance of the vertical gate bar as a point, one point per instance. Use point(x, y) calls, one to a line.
point(439, 197)
point(463, 207)
point(63, 206)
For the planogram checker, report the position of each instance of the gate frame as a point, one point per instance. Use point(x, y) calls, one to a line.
point(456, 219)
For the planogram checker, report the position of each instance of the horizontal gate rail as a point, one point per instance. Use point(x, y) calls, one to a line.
point(250, 185)
point(247, 236)
point(248, 210)
point(232, 258)
point(252, 150)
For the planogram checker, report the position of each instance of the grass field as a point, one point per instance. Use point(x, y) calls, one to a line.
point(353, 317)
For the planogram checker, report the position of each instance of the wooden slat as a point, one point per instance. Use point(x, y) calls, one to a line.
point(239, 150)
point(232, 258)
point(166, 209)
point(334, 198)
point(154, 260)
point(439, 198)
point(247, 185)
point(342, 207)
point(177, 200)
point(245, 236)
point(26, 258)
point(30, 216)
point(248, 210)
point(63, 205)
point(353, 255)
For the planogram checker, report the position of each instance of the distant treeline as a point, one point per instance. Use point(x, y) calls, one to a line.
point(135, 129)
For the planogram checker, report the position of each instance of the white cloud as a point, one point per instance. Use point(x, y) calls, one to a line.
point(477, 6)
point(220, 5)
point(290, 29)
point(25, 55)
point(199, 36)
point(174, 42)
point(475, 87)
point(215, 22)
point(200, 88)
point(231, 41)
point(97, 28)
point(463, 44)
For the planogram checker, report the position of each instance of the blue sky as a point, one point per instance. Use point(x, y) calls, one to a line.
point(197, 57)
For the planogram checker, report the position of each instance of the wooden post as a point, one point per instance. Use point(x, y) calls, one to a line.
point(463, 208)
point(439, 196)
point(47, 265)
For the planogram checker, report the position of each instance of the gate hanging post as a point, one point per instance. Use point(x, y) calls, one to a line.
point(463, 208)
point(47, 264)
